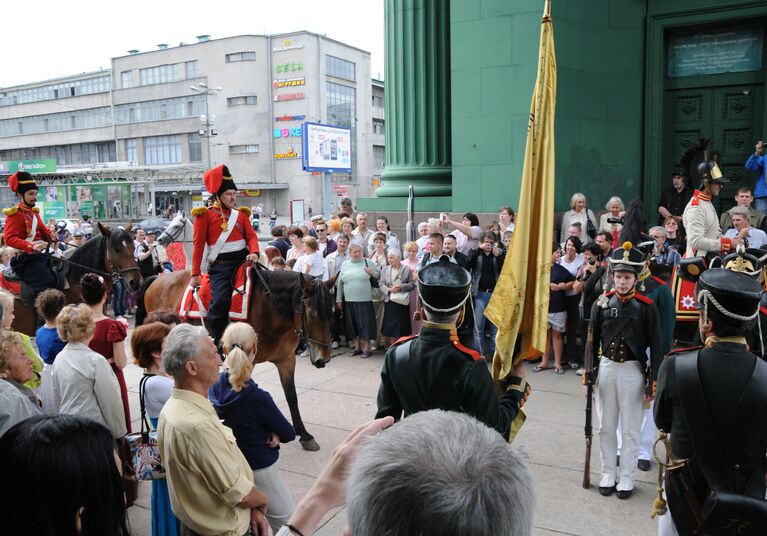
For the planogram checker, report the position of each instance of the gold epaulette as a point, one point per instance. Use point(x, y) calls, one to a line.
point(36, 210)
point(10, 211)
point(245, 210)
point(199, 211)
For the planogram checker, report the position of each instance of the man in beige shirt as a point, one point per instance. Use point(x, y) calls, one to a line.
point(209, 480)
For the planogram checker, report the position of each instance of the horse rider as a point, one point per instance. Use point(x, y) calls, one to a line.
point(699, 218)
point(26, 232)
point(433, 370)
point(624, 325)
point(230, 238)
point(711, 401)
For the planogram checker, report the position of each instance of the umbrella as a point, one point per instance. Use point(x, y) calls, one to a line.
point(157, 224)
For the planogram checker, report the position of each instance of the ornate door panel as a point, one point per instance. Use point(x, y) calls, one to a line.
point(737, 125)
point(731, 116)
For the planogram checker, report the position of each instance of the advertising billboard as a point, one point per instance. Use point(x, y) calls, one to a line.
point(327, 148)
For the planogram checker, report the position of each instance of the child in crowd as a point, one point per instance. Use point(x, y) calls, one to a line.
point(506, 239)
point(311, 262)
point(48, 305)
point(258, 425)
point(277, 263)
point(561, 281)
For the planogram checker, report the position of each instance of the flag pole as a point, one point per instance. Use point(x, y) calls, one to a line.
point(546, 11)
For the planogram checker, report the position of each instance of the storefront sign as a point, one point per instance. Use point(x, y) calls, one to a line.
point(250, 193)
point(289, 67)
point(718, 51)
point(289, 82)
point(288, 96)
point(287, 44)
point(289, 118)
point(47, 165)
point(340, 188)
point(287, 132)
point(288, 155)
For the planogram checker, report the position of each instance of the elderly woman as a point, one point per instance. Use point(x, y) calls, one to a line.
point(7, 303)
point(81, 381)
point(578, 213)
point(17, 402)
point(354, 296)
point(411, 261)
point(396, 283)
point(615, 209)
point(154, 390)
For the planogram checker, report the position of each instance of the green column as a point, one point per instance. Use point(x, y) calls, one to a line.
point(417, 98)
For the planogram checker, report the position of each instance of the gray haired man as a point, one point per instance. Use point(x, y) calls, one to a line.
point(409, 480)
point(741, 221)
point(209, 480)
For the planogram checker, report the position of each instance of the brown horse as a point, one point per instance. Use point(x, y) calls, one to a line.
point(109, 255)
point(285, 308)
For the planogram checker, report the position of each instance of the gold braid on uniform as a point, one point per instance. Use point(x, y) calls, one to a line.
point(224, 221)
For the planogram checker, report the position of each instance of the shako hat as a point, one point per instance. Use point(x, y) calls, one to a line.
point(21, 182)
point(627, 258)
point(218, 180)
point(443, 286)
point(734, 294)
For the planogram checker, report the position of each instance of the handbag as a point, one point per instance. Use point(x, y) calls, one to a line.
point(374, 283)
point(401, 298)
point(722, 511)
point(145, 451)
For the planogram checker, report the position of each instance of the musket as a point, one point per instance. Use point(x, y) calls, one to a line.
point(588, 378)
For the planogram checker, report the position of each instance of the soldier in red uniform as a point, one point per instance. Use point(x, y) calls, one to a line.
point(26, 232)
point(230, 239)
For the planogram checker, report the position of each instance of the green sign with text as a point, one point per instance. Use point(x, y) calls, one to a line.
point(47, 165)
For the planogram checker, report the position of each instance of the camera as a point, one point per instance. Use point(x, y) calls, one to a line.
point(592, 262)
point(615, 220)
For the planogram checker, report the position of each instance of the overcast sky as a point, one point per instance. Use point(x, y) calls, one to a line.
point(48, 39)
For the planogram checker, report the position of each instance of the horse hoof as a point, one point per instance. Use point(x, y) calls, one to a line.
point(320, 363)
point(310, 445)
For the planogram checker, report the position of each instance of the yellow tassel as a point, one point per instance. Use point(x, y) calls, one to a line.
point(225, 225)
point(659, 506)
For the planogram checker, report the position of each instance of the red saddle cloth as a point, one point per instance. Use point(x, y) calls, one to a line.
point(11, 286)
point(238, 310)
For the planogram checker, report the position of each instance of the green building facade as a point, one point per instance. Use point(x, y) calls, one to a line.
point(638, 82)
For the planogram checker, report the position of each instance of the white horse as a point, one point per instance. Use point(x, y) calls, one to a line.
point(181, 229)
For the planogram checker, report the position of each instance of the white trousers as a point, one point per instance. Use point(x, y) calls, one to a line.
point(620, 393)
point(280, 508)
point(646, 434)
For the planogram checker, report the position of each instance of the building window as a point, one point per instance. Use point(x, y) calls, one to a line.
point(243, 149)
point(379, 156)
point(244, 99)
point(160, 74)
point(57, 91)
point(162, 150)
point(341, 104)
point(195, 147)
point(241, 56)
point(339, 68)
point(378, 127)
point(140, 112)
point(131, 154)
point(126, 79)
point(90, 118)
point(190, 69)
point(378, 101)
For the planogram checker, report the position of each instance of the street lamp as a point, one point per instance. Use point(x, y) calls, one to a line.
point(207, 120)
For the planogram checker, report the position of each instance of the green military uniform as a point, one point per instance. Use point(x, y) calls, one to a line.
point(660, 293)
point(434, 371)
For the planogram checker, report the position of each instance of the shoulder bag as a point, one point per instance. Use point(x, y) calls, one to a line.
point(723, 510)
point(400, 298)
point(591, 229)
point(144, 448)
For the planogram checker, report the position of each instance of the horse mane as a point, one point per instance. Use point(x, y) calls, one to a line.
point(633, 223)
point(286, 291)
point(92, 253)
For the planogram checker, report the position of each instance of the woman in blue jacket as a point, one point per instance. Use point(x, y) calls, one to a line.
point(257, 423)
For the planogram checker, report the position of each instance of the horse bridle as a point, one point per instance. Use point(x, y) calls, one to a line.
point(174, 237)
point(113, 272)
point(302, 331)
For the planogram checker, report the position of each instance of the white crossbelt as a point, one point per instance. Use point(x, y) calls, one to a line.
point(31, 237)
point(220, 244)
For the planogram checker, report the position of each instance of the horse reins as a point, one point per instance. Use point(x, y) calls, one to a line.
point(113, 274)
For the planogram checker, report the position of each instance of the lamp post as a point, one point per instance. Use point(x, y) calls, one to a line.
point(208, 121)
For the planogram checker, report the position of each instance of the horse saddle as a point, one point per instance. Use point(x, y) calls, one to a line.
point(196, 305)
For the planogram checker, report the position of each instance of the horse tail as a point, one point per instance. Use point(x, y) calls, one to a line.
point(141, 312)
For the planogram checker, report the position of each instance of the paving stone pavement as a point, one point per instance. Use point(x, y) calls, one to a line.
point(337, 398)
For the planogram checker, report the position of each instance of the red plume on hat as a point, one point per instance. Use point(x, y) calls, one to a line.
point(21, 182)
point(218, 180)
